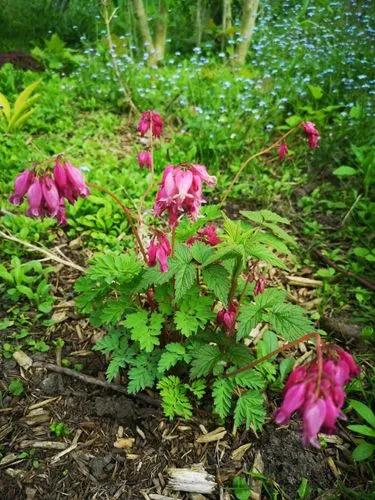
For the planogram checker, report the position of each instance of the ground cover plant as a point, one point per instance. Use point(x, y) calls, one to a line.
point(214, 256)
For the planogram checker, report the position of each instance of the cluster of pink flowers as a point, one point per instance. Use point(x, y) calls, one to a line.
point(313, 137)
point(318, 395)
point(46, 193)
point(150, 121)
point(227, 317)
point(312, 133)
point(207, 234)
point(181, 191)
point(159, 251)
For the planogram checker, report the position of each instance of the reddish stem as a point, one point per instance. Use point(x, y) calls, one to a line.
point(284, 347)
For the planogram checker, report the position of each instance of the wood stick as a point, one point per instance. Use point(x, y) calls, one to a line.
point(95, 381)
point(42, 250)
point(368, 284)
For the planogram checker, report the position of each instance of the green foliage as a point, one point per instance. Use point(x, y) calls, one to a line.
point(364, 449)
point(59, 429)
point(16, 387)
point(289, 321)
point(175, 401)
point(15, 116)
point(222, 390)
point(250, 410)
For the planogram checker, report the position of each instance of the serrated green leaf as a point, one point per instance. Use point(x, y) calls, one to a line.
point(145, 329)
point(186, 323)
point(201, 252)
point(250, 379)
point(205, 359)
point(222, 390)
point(263, 253)
point(185, 275)
point(140, 377)
point(198, 388)
point(174, 398)
point(174, 352)
point(288, 321)
point(217, 278)
point(250, 411)
point(280, 233)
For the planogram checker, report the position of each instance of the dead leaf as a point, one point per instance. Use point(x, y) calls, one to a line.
point(59, 316)
point(238, 453)
point(215, 435)
point(124, 443)
point(23, 360)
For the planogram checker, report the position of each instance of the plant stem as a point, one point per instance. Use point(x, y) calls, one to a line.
point(236, 273)
point(284, 347)
point(129, 216)
point(252, 157)
point(173, 243)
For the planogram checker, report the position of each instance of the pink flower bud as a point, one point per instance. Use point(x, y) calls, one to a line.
point(227, 317)
point(144, 159)
point(206, 235)
point(59, 174)
point(260, 286)
point(22, 184)
point(313, 417)
point(283, 151)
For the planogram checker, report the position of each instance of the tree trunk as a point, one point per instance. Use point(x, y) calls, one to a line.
point(144, 27)
point(160, 34)
point(227, 21)
point(249, 13)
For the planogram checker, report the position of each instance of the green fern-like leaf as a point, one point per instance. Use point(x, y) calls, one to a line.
point(222, 390)
point(174, 398)
point(174, 352)
point(250, 379)
point(145, 329)
point(250, 411)
point(198, 388)
point(113, 368)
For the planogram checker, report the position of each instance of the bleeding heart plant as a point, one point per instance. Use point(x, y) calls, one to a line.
point(183, 309)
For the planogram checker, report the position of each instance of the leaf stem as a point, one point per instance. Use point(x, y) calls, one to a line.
point(252, 157)
point(284, 347)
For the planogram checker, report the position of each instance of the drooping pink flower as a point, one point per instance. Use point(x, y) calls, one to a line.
point(69, 181)
point(51, 196)
point(318, 398)
point(206, 235)
point(144, 159)
point(260, 285)
point(283, 151)
point(158, 251)
point(22, 184)
point(181, 191)
point(227, 317)
point(150, 121)
point(35, 199)
point(312, 133)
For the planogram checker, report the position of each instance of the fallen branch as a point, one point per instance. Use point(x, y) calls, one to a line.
point(368, 284)
point(87, 379)
point(44, 251)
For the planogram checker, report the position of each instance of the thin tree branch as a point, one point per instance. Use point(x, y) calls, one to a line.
point(66, 262)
